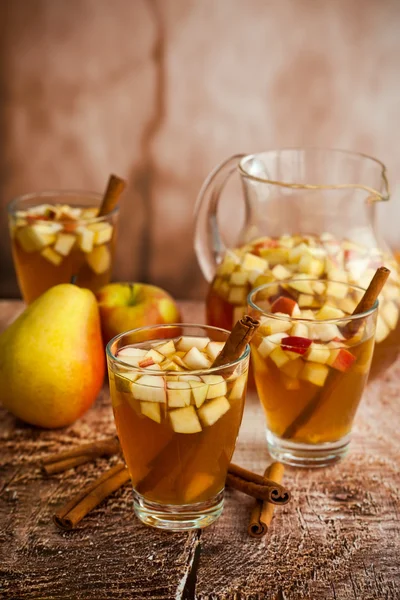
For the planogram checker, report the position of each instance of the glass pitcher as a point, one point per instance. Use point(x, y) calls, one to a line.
point(309, 212)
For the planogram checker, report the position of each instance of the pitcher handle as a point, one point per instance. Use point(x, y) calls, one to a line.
point(208, 244)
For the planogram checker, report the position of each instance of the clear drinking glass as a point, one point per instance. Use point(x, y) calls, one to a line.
point(311, 359)
point(177, 427)
point(57, 235)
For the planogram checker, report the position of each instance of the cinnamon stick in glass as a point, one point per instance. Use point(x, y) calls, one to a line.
point(366, 303)
point(115, 187)
point(237, 341)
point(72, 513)
point(62, 461)
point(263, 511)
point(256, 485)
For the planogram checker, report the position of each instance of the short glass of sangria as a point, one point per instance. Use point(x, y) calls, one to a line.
point(177, 419)
point(311, 359)
point(58, 236)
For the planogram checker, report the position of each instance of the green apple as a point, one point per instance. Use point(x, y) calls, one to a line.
point(125, 306)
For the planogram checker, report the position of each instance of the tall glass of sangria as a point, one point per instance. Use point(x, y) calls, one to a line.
point(311, 358)
point(177, 419)
point(57, 236)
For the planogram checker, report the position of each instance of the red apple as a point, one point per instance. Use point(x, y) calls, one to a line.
point(285, 305)
point(341, 359)
point(293, 343)
point(125, 306)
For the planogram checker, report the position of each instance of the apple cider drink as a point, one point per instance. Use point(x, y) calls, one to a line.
point(177, 420)
point(311, 361)
point(54, 242)
point(267, 260)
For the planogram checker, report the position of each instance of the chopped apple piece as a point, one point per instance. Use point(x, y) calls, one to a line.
point(293, 367)
point(237, 295)
point(389, 311)
point(89, 213)
point(123, 381)
point(337, 289)
point(296, 344)
point(131, 351)
point(238, 387)
point(325, 332)
point(286, 306)
point(280, 272)
point(238, 278)
point(155, 355)
point(102, 232)
point(64, 243)
point(297, 252)
point(382, 330)
point(318, 353)
point(212, 411)
point(146, 362)
point(312, 266)
point(228, 265)
point(275, 256)
point(99, 259)
point(314, 373)
point(186, 342)
point(150, 388)
point(307, 314)
point(290, 383)
point(166, 349)
point(170, 365)
point(199, 391)
point(178, 393)
point(194, 359)
point(185, 420)
point(151, 410)
point(217, 385)
point(214, 348)
point(251, 262)
point(189, 378)
point(306, 300)
point(200, 483)
point(153, 367)
point(268, 344)
point(302, 286)
point(299, 330)
point(341, 359)
point(319, 287)
point(279, 357)
point(270, 325)
point(52, 256)
point(327, 312)
point(337, 275)
point(85, 238)
point(34, 237)
point(347, 305)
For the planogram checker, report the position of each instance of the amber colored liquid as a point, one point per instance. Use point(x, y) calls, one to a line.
point(169, 467)
point(337, 399)
point(36, 274)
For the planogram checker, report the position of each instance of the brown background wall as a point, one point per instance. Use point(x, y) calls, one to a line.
point(159, 91)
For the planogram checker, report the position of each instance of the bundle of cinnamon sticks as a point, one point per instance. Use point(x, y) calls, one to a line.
point(267, 489)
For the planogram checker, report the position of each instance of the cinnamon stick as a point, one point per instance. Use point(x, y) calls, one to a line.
point(366, 303)
point(115, 187)
point(62, 461)
point(237, 341)
point(256, 486)
point(262, 512)
point(72, 513)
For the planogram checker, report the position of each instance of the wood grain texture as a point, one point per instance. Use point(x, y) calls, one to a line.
point(338, 539)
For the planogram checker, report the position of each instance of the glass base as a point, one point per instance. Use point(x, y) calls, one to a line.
point(178, 517)
point(307, 455)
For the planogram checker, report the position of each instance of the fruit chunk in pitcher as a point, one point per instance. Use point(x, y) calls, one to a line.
point(311, 359)
point(267, 260)
point(177, 427)
point(52, 242)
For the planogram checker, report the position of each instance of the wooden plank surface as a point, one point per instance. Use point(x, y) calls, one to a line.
point(338, 539)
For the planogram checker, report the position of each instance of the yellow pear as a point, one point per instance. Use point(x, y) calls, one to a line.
point(52, 358)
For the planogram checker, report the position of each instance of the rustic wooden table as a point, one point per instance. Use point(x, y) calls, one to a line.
point(338, 539)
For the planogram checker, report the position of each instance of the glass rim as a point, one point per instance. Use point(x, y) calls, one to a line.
point(378, 195)
point(146, 370)
point(12, 209)
point(340, 320)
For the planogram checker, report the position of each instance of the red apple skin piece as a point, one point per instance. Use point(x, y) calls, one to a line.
point(284, 304)
point(125, 306)
point(343, 360)
point(297, 344)
point(147, 362)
